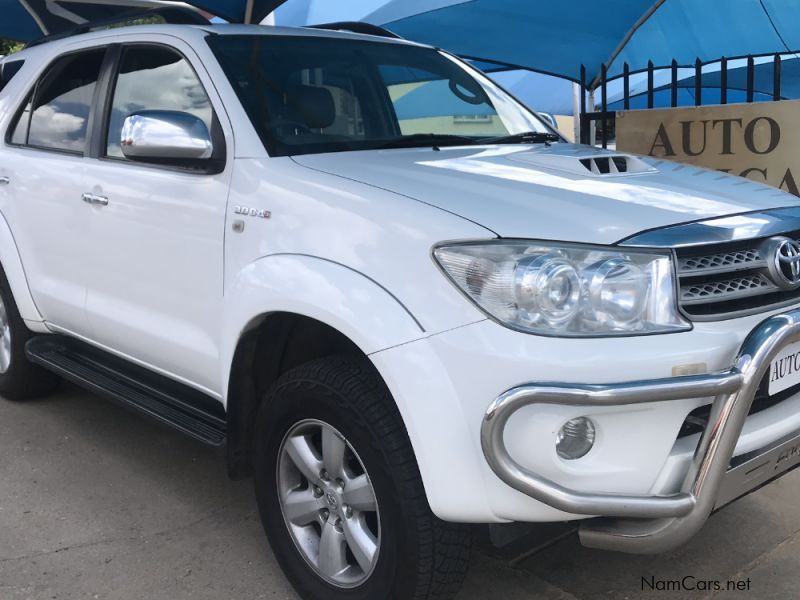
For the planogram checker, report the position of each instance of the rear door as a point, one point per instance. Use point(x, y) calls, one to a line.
point(43, 162)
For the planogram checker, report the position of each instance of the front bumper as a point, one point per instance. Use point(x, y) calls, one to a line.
point(657, 523)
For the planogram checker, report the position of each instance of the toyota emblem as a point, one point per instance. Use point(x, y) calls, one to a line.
point(783, 261)
point(332, 501)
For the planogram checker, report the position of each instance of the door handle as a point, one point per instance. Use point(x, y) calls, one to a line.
point(4, 180)
point(95, 199)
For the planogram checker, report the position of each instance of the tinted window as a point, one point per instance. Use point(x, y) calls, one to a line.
point(58, 116)
point(324, 94)
point(8, 69)
point(154, 78)
point(420, 108)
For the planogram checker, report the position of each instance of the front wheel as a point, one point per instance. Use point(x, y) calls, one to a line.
point(340, 493)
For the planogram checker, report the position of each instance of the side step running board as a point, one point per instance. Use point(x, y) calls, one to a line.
point(179, 406)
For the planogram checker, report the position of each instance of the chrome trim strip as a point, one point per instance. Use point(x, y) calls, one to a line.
point(647, 523)
point(719, 230)
point(95, 199)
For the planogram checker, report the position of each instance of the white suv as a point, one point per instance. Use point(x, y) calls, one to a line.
point(401, 299)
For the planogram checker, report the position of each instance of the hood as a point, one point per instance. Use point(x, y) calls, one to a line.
point(564, 192)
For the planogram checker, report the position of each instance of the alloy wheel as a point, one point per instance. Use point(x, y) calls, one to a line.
point(328, 503)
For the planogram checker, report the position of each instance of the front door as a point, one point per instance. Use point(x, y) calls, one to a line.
point(157, 292)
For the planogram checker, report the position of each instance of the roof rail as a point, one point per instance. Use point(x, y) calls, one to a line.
point(358, 27)
point(175, 15)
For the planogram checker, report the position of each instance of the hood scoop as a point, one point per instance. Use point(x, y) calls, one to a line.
point(597, 165)
point(610, 165)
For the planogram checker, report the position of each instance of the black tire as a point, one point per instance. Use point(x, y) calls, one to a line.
point(21, 379)
point(420, 556)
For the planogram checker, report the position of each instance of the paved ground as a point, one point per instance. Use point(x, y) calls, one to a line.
point(98, 503)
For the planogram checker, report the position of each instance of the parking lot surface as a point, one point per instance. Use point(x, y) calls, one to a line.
point(98, 503)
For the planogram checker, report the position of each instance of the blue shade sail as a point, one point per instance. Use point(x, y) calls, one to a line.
point(546, 37)
point(27, 20)
point(558, 37)
point(235, 11)
point(296, 13)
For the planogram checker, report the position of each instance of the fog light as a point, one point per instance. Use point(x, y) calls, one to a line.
point(575, 438)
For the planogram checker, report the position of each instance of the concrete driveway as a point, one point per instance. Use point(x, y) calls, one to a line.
point(98, 503)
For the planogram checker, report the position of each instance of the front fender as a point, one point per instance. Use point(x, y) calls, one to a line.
point(347, 300)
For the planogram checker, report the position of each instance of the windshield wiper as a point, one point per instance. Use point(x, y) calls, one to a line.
point(428, 139)
point(526, 137)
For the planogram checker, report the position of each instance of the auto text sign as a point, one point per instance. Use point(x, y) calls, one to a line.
point(760, 141)
point(784, 371)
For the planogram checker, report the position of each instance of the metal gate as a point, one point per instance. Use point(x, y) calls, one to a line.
point(604, 119)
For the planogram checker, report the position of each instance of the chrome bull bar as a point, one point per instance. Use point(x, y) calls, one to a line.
point(645, 524)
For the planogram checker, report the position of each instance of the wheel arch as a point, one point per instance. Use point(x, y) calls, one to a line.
point(12, 267)
point(291, 309)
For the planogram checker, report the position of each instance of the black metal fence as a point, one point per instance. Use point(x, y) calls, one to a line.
point(604, 119)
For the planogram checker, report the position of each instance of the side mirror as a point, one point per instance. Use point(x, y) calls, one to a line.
point(549, 119)
point(170, 136)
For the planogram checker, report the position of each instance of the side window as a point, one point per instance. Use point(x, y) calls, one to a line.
point(57, 115)
point(8, 69)
point(154, 78)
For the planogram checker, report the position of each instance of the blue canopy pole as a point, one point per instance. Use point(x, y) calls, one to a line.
point(628, 36)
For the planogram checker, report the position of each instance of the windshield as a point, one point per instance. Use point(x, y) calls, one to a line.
point(309, 94)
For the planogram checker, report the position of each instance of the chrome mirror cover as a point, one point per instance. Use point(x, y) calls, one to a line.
point(168, 135)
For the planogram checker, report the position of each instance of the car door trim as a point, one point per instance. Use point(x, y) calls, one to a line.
point(102, 101)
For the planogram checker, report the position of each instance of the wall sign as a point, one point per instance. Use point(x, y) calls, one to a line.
point(760, 141)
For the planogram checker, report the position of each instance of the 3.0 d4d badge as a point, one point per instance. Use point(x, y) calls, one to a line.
point(252, 212)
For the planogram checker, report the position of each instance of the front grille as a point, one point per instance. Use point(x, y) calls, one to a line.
point(721, 279)
point(738, 287)
point(722, 262)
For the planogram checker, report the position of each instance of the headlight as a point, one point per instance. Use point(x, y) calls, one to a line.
point(567, 289)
